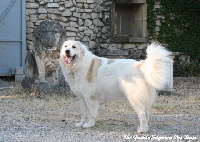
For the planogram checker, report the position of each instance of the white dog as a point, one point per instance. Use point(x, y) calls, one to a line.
point(94, 79)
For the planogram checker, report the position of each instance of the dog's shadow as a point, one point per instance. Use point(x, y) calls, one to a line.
point(117, 125)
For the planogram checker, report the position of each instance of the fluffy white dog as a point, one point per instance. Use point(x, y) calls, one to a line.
point(94, 79)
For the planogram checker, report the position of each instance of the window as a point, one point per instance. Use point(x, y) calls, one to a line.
point(129, 21)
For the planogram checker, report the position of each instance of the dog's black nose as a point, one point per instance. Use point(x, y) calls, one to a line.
point(67, 52)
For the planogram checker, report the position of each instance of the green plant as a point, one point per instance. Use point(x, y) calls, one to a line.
point(180, 29)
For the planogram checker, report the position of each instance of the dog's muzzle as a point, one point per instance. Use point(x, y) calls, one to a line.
point(68, 58)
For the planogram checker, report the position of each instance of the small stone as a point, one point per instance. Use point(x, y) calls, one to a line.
point(88, 22)
point(91, 6)
point(92, 44)
point(158, 23)
point(67, 12)
point(68, 4)
point(63, 19)
point(82, 28)
point(73, 24)
point(80, 35)
point(75, 14)
point(105, 46)
point(86, 16)
point(71, 29)
point(32, 5)
point(53, 11)
point(88, 10)
point(73, 19)
point(70, 34)
point(80, 22)
point(129, 46)
point(61, 8)
point(42, 16)
point(94, 15)
point(88, 32)
point(53, 17)
point(42, 10)
point(29, 30)
point(97, 22)
point(86, 38)
point(91, 27)
point(79, 10)
point(104, 30)
point(79, 5)
point(52, 5)
point(142, 46)
point(30, 11)
point(29, 24)
point(157, 28)
point(33, 18)
point(72, 9)
point(91, 1)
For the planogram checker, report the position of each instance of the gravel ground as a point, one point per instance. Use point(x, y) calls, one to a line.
point(174, 117)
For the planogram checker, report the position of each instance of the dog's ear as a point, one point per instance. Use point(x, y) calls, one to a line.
point(81, 48)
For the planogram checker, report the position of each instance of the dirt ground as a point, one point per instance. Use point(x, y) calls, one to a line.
point(174, 117)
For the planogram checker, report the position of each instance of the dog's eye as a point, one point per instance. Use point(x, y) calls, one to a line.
point(73, 46)
point(65, 45)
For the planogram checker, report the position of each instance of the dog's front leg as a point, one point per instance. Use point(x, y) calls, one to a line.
point(92, 107)
point(83, 112)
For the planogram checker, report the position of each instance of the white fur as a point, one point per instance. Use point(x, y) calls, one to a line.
point(135, 80)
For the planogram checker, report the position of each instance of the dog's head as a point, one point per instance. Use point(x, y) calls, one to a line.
point(71, 52)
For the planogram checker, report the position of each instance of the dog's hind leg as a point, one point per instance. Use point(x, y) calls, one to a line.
point(92, 107)
point(84, 112)
point(142, 112)
point(143, 116)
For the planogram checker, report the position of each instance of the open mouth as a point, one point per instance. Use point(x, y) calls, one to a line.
point(70, 59)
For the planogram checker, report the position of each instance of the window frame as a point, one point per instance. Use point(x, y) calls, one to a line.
point(144, 27)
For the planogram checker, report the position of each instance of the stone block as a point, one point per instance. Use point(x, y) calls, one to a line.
point(87, 10)
point(61, 8)
point(72, 9)
point(67, 12)
point(32, 5)
point(30, 11)
point(63, 19)
point(53, 11)
point(91, 1)
point(42, 10)
point(94, 15)
point(42, 16)
point(73, 19)
point(79, 10)
point(86, 38)
point(75, 14)
point(97, 22)
point(128, 46)
point(52, 5)
point(33, 18)
point(71, 34)
point(86, 16)
point(73, 24)
point(88, 22)
point(68, 4)
point(19, 70)
point(71, 29)
point(88, 32)
point(19, 77)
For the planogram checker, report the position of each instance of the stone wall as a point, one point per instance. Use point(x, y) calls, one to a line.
point(84, 20)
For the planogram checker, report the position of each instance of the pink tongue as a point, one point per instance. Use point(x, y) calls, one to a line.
point(68, 60)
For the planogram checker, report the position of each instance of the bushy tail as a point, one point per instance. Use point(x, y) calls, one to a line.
point(155, 67)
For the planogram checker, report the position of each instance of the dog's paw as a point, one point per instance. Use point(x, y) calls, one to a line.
point(78, 125)
point(87, 125)
point(142, 130)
